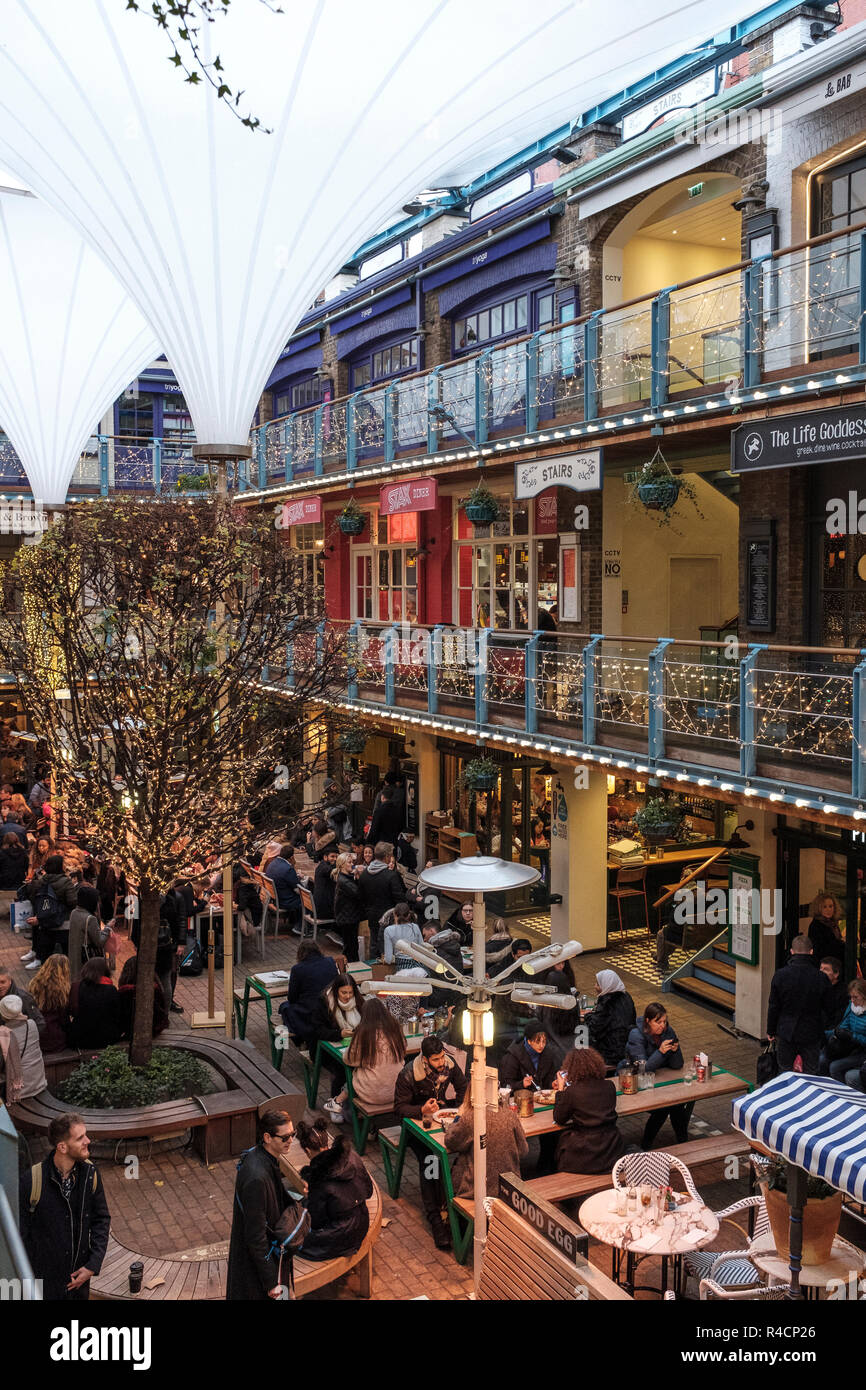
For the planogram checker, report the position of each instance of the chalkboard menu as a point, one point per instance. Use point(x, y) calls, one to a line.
point(760, 538)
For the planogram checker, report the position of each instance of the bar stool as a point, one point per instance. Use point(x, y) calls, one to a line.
point(620, 891)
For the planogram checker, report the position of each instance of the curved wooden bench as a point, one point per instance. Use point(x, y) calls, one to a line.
point(206, 1279)
point(223, 1123)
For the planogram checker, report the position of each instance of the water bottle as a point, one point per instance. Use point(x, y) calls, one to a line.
point(641, 1075)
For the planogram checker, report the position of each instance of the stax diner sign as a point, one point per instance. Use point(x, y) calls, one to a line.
point(414, 495)
point(301, 511)
point(582, 472)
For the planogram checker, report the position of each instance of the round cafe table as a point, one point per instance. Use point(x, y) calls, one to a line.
point(845, 1260)
point(690, 1227)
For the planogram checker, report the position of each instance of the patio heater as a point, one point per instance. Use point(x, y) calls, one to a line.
point(477, 875)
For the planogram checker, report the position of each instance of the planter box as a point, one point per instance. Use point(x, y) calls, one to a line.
point(821, 1216)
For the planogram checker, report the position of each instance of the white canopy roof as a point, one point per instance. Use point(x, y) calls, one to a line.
point(70, 341)
point(223, 237)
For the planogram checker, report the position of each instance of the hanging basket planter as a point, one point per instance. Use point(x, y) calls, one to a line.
point(353, 741)
point(479, 775)
point(659, 495)
point(481, 506)
point(351, 525)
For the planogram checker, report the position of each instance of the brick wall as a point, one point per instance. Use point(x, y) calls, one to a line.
point(779, 495)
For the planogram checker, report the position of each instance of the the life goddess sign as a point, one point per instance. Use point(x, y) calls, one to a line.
point(413, 495)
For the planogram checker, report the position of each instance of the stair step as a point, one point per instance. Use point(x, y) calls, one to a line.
point(719, 953)
point(709, 994)
point(720, 968)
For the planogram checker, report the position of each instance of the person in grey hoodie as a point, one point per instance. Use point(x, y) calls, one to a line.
point(381, 889)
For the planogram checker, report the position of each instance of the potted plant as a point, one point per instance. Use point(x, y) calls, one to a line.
point(193, 482)
point(822, 1212)
point(659, 820)
point(353, 741)
point(352, 518)
point(479, 775)
point(658, 490)
point(481, 506)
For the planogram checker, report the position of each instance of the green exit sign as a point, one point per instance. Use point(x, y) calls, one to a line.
point(696, 190)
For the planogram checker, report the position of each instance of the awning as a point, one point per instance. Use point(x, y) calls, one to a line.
point(363, 312)
point(538, 260)
point(818, 1124)
point(398, 321)
point(483, 255)
point(295, 364)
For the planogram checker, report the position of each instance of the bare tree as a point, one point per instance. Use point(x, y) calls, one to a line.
point(141, 643)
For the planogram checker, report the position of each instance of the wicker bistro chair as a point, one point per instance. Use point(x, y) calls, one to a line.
point(654, 1167)
point(712, 1289)
point(731, 1268)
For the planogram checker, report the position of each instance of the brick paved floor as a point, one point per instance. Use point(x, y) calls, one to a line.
point(177, 1204)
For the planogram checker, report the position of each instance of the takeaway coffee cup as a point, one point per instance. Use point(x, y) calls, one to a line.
point(136, 1274)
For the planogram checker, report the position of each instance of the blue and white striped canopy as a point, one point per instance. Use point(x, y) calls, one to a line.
point(814, 1122)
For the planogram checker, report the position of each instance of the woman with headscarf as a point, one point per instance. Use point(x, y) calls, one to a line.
point(612, 1019)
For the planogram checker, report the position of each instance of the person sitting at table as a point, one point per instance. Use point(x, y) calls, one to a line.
point(50, 986)
point(530, 1063)
point(283, 874)
point(399, 924)
point(654, 1042)
point(497, 944)
point(612, 1019)
point(376, 1054)
point(845, 1049)
point(335, 1018)
point(585, 1106)
point(505, 1143)
point(311, 974)
point(338, 1186)
point(461, 922)
point(95, 1007)
point(427, 1082)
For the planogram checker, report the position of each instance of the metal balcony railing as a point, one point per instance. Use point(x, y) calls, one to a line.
point(782, 723)
point(789, 322)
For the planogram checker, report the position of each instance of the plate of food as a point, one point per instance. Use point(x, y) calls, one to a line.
point(545, 1097)
point(444, 1117)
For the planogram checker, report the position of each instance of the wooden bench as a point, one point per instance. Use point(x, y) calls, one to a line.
point(223, 1123)
point(521, 1265)
point(697, 1153)
point(185, 1278)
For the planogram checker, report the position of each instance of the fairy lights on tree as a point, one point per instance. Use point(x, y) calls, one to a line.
point(141, 634)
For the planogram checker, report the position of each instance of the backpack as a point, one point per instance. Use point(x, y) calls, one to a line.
point(191, 961)
point(47, 909)
point(36, 1184)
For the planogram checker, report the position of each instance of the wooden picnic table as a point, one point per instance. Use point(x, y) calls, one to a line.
point(673, 1090)
point(693, 855)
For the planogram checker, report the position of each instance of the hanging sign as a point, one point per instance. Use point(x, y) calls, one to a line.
point(688, 94)
point(581, 472)
point(415, 495)
point(300, 511)
point(787, 441)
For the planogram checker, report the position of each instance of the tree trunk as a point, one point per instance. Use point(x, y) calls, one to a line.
point(142, 1029)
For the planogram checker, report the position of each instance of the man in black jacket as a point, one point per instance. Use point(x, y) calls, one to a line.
point(260, 1199)
point(422, 1088)
point(837, 996)
point(798, 1011)
point(64, 1214)
point(381, 889)
point(323, 885)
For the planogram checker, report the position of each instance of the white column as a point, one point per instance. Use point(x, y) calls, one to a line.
point(578, 857)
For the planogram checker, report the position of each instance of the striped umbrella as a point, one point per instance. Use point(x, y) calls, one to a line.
point(814, 1122)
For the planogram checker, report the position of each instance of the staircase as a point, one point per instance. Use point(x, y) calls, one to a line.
point(708, 978)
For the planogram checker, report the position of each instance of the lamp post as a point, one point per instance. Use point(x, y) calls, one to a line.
point(479, 874)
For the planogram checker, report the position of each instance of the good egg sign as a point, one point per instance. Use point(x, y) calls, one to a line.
point(582, 472)
point(569, 1240)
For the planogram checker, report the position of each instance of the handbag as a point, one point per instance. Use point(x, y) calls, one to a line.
point(839, 1044)
point(767, 1065)
point(21, 910)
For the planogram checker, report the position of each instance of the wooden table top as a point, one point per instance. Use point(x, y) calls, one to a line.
point(693, 855)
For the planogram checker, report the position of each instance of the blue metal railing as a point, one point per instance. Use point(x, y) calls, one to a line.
point(784, 723)
point(785, 322)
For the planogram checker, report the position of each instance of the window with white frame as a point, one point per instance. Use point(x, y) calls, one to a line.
point(506, 574)
point(309, 542)
point(385, 573)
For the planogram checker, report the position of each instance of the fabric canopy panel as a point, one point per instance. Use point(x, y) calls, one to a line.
point(816, 1123)
point(71, 340)
point(223, 236)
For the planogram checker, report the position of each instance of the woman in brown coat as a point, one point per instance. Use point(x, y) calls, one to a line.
point(506, 1146)
point(586, 1108)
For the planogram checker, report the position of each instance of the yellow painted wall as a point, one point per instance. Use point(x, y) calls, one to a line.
point(650, 264)
point(646, 548)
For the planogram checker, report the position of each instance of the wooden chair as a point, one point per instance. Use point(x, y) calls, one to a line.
point(310, 921)
point(624, 877)
point(260, 929)
point(270, 901)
